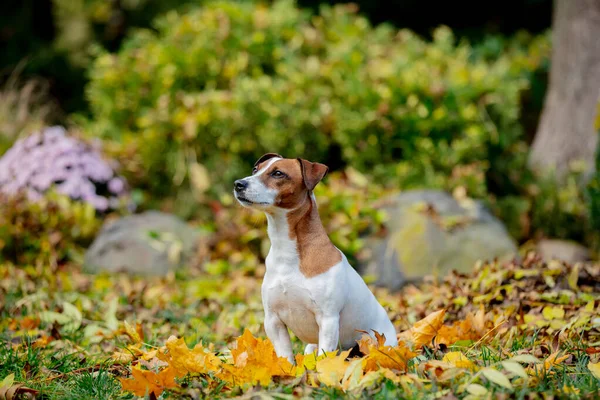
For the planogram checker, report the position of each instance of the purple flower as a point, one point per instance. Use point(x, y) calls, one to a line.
point(53, 159)
point(116, 185)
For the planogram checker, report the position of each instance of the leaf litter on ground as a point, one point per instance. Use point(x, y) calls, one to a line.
point(505, 330)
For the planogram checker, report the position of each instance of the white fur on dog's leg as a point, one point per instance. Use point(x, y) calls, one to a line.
point(279, 336)
point(329, 333)
point(310, 348)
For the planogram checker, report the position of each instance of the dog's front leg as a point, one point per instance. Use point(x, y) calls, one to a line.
point(329, 333)
point(279, 336)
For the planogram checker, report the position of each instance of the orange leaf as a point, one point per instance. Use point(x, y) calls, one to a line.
point(459, 330)
point(145, 382)
point(28, 323)
point(425, 330)
point(393, 358)
point(254, 361)
point(553, 359)
point(43, 341)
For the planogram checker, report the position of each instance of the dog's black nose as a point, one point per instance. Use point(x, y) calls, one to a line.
point(240, 185)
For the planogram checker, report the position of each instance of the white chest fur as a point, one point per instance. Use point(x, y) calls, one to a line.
point(325, 310)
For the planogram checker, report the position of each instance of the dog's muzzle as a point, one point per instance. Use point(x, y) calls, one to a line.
point(240, 185)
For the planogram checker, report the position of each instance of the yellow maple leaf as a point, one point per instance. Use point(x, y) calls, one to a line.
point(459, 360)
point(254, 361)
point(393, 358)
point(423, 331)
point(184, 360)
point(145, 382)
point(378, 355)
point(305, 362)
point(332, 368)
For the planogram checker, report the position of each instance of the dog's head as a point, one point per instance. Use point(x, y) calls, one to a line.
point(278, 182)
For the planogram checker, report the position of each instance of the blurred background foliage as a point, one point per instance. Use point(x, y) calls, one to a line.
point(186, 94)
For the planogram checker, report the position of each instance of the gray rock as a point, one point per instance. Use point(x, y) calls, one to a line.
point(431, 233)
point(563, 250)
point(150, 243)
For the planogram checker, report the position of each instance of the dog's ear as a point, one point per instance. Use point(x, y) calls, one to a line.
point(265, 157)
point(312, 172)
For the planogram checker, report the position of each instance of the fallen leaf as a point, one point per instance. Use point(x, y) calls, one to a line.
point(394, 358)
point(144, 382)
point(352, 376)
point(332, 368)
point(594, 369)
point(553, 312)
point(184, 361)
point(476, 389)
point(423, 331)
point(525, 358)
point(497, 377)
point(515, 368)
point(11, 391)
point(553, 359)
point(459, 360)
point(254, 361)
point(42, 341)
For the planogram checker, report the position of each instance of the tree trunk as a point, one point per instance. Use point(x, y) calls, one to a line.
point(566, 130)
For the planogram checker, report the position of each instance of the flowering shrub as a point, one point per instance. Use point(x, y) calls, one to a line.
point(49, 231)
point(36, 163)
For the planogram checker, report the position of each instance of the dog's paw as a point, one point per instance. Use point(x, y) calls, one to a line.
point(310, 348)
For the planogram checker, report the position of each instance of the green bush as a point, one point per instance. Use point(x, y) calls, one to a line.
point(49, 232)
point(221, 85)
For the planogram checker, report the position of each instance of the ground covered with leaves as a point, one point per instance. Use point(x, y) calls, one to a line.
point(518, 330)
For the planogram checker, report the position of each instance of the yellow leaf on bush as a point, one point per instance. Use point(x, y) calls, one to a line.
point(145, 382)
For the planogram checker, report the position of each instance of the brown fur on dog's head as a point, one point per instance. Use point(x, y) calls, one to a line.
point(293, 179)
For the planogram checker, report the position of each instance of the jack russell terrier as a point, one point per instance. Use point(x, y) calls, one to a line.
point(309, 286)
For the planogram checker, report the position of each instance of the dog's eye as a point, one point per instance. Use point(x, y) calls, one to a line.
point(277, 174)
point(254, 170)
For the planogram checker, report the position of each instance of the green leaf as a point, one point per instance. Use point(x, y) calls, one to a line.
point(50, 317)
point(525, 358)
point(73, 315)
point(515, 368)
point(8, 381)
point(476, 389)
point(496, 377)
